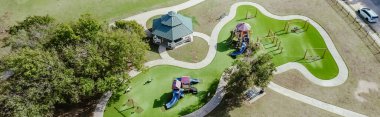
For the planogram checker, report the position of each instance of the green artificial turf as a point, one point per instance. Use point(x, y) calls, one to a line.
point(151, 97)
point(67, 10)
point(294, 44)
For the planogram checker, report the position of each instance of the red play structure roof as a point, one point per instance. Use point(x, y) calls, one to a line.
point(185, 80)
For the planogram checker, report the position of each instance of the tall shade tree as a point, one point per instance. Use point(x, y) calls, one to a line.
point(70, 63)
point(39, 81)
point(254, 70)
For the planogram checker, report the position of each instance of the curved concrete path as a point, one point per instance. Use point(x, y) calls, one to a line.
point(142, 18)
point(167, 60)
point(212, 41)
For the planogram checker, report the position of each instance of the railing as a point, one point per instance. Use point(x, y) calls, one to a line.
point(173, 45)
point(364, 31)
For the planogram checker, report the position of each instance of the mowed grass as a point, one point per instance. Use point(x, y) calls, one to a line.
point(67, 10)
point(152, 96)
point(192, 52)
point(294, 44)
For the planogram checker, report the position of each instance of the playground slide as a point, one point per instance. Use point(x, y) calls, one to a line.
point(241, 51)
point(176, 95)
point(194, 81)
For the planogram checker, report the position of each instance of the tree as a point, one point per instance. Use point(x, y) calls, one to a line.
point(71, 62)
point(31, 21)
point(31, 32)
point(40, 80)
point(131, 26)
point(264, 68)
point(251, 71)
point(86, 27)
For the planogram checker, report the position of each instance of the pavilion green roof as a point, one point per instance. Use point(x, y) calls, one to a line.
point(172, 26)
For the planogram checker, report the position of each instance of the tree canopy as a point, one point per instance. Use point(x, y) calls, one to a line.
point(254, 69)
point(64, 63)
point(131, 26)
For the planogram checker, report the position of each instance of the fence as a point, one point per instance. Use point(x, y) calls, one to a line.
point(365, 32)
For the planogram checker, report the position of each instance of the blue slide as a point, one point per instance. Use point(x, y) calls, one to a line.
point(176, 95)
point(242, 49)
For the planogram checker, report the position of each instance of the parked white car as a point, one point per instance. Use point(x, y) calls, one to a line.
point(368, 15)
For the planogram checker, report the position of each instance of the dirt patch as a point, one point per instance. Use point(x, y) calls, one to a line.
point(272, 104)
point(364, 88)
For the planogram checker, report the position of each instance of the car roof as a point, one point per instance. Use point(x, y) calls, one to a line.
point(370, 11)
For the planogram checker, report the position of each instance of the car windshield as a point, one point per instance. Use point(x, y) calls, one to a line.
point(370, 13)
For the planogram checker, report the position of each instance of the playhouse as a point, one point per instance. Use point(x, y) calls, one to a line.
point(180, 86)
point(242, 32)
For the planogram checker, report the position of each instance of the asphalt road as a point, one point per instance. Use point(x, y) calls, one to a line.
point(372, 4)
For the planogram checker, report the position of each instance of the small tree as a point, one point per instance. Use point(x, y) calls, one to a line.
point(32, 32)
point(264, 68)
point(251, 70)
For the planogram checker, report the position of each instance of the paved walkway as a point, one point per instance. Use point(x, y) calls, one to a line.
point(144, 17)
point(212, 41)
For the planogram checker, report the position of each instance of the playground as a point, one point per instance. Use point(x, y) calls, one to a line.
point(151, 90)
point(287, 41)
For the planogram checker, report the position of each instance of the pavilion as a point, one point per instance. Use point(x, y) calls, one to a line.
point(172, 30)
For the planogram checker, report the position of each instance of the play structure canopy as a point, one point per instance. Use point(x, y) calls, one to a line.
point(243, 27)
point(185, 80)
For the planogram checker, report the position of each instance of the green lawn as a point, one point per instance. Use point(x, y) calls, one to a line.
point(294, 44)
point(67, 10)
point(193, 52)
point(151, 97)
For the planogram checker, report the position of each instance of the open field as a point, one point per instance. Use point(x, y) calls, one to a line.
point(67, 10)
point(272, 104)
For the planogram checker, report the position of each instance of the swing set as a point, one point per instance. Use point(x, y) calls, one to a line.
point(305, 26)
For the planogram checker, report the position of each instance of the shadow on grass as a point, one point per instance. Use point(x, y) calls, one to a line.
point(203, 96)
point(229, 103)
point(153, 47)
point(226, 44)
point(163, 99)
point(232, 99)
point(120, 112)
